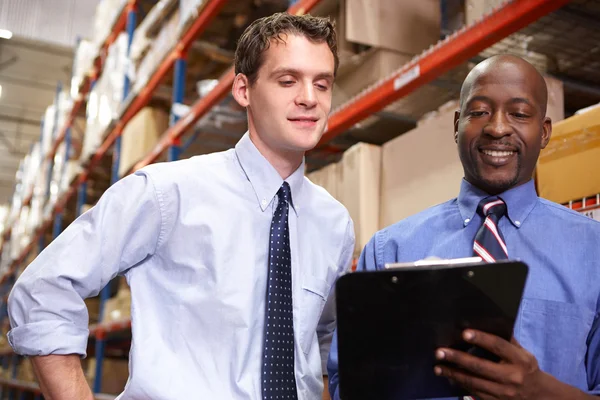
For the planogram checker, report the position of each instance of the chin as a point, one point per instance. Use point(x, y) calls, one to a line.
point(305, 142)
point(498, 184)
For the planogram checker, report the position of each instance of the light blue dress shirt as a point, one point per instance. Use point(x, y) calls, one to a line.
point(559, 316)
point(192, 239)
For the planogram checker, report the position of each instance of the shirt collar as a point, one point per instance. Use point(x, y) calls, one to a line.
point(519, 201)
point(264, 178)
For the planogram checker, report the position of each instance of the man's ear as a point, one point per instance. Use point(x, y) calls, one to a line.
point(546, 132)
point(456, 121)
point(240, 90)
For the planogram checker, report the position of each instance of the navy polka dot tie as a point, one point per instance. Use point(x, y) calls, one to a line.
point(489, 243)
point(278, 380)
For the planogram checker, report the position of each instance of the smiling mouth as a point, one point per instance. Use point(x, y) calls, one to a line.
point(497, 153)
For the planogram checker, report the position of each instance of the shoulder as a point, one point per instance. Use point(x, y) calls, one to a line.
point(199, 169)
point(423, 222)
point(567, 219)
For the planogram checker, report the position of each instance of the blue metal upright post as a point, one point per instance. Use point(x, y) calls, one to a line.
point(105, 293)
point(178, 95)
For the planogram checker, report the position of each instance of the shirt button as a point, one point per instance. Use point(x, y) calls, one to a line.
point(518, 223)
point(264, 202)
point(467, 221)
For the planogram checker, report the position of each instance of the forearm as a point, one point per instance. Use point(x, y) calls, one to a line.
point(554, 389)
point(61, 377)
point(326, 388)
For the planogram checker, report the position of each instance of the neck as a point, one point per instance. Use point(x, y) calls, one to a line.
point(284, 162)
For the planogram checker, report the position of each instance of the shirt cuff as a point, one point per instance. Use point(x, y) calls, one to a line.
point(48, 337)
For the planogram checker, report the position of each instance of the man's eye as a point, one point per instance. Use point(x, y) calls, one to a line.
point(477, 113)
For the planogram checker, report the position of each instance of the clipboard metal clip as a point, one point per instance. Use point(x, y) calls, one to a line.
point(433, 261)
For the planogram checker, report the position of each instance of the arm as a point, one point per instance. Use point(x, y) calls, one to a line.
point(46, 308)
point(366, 262)
point(326, 324)
point(61, 377)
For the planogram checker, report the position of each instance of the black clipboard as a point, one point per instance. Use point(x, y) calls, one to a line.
point(391, 321)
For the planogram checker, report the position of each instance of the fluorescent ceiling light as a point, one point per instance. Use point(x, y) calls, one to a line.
point(0, 90)
point(5, 34)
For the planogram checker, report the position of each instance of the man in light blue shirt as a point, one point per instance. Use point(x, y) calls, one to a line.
point(500, 130)
point(230, 257)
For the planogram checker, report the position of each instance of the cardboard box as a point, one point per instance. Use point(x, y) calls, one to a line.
point(363, 71)
point(477, 9)
point(140, 135)
point(328, 177)
point(556, 99)
point(404, 26)
point(359, 190)
point(420, 168)
point(567, 168)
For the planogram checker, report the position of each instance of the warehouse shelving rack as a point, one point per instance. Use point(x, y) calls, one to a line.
point(455, 49)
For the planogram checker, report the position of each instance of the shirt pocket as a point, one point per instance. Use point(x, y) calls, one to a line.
point(556, 333)
point(312, 300)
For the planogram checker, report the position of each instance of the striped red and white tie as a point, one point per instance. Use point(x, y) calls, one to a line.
point(489, 243)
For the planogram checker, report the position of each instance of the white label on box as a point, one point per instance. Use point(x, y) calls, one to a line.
point(407, 77)
point(593, 214)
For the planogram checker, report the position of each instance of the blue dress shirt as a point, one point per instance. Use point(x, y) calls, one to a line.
point(559, 316)
point(192, 239)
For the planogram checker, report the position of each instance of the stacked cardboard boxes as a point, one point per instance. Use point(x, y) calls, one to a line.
point(355, 181)
point(567, 168)
point(140, 135)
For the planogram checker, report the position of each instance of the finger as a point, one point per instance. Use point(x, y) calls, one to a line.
point(515, 342)
point(474, 365)
point(500, 347)
point(475, 385)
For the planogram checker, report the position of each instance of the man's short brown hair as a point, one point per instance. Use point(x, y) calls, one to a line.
point(257, 38)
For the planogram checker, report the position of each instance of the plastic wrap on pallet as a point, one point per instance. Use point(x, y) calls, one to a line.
point(4, 213)
point(17, 198)
point(55, 183)
point(65, 105)
point(18, 237)
point(161, 45)
point(31, 168)
point(142, 37)
point(47, 131)
point(84, 61)
point(189, 10)
point(34, 219)
point(106, 97)
point(107, 13)
point(5, 258)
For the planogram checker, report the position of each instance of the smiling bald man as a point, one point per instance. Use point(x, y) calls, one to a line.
point(500, 129)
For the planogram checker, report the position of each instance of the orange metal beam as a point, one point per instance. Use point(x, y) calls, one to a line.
point(204, 105)
point(439, 59)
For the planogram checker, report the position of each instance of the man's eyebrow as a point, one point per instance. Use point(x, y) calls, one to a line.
point(521, 100)
point(293, 71)
point(481, 98)
point(486, 99)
